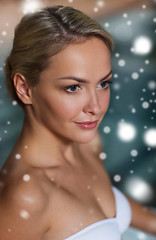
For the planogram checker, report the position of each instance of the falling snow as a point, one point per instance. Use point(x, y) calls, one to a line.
point(154, 20)
point(150, 137)
point(26, 178)
point(102, 156)
point(117, 178)
point(135, 75)
point(152, 85)
point(18, 156)
point(147, 61)
point(129, 23)
point(4, 33)
point(125, 15)
point(145, 105)
point(100, 3)
point(115, 75)
point(117, 55)
point(106, 25)
point(116, 86)
point(143, 6)
point(126, 131)
point(107, 129)
point(96, 9)
point(24, 214)
point(134, 153)
point(133, 110)
point(14, 103)
point(117, 97)
point(121, 63)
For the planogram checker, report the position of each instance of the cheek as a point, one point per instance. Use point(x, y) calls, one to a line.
point(71, 107)
point(66, 108)
point(104, 100)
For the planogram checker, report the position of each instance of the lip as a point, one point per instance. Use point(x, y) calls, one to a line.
point(87, 125)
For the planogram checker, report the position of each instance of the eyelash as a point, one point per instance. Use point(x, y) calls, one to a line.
point(106, 82)
point(67, 88)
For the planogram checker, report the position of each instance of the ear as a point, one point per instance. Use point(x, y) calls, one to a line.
point(22, 89)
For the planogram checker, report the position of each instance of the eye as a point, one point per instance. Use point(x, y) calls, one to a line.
point(72, 89)
point(104, 84)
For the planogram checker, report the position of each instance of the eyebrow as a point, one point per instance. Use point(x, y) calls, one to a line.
point(83, 80)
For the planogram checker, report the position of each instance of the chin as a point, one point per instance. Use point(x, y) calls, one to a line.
point(86, 138)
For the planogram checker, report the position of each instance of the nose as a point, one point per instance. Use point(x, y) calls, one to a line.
point(93, 104)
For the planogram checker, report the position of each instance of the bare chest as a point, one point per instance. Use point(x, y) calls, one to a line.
point(80, 197)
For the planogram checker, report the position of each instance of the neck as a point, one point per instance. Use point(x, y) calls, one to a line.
point(41, 148)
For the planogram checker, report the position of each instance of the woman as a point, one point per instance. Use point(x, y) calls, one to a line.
point(54, 185)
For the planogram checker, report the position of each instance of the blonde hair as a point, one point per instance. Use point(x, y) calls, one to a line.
point(43, 34)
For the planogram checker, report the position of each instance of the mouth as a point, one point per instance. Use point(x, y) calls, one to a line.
point(87, 125)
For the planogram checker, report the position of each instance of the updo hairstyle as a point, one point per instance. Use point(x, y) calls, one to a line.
point(41, 35)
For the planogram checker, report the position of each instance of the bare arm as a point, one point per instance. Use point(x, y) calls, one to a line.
point(142, 217)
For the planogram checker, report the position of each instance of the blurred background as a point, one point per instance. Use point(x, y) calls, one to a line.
point(128, 130)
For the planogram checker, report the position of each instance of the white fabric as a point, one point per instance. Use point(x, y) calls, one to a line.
point(108, 229)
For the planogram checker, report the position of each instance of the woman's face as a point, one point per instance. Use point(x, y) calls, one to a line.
point(73, 94)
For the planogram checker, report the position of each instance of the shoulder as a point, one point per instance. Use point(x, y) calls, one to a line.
point(22, 202)
point(26, 190)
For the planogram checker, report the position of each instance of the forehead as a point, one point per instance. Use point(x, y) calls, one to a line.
point(91, 57)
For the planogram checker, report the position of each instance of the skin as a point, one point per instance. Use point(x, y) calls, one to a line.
point(57, 180)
